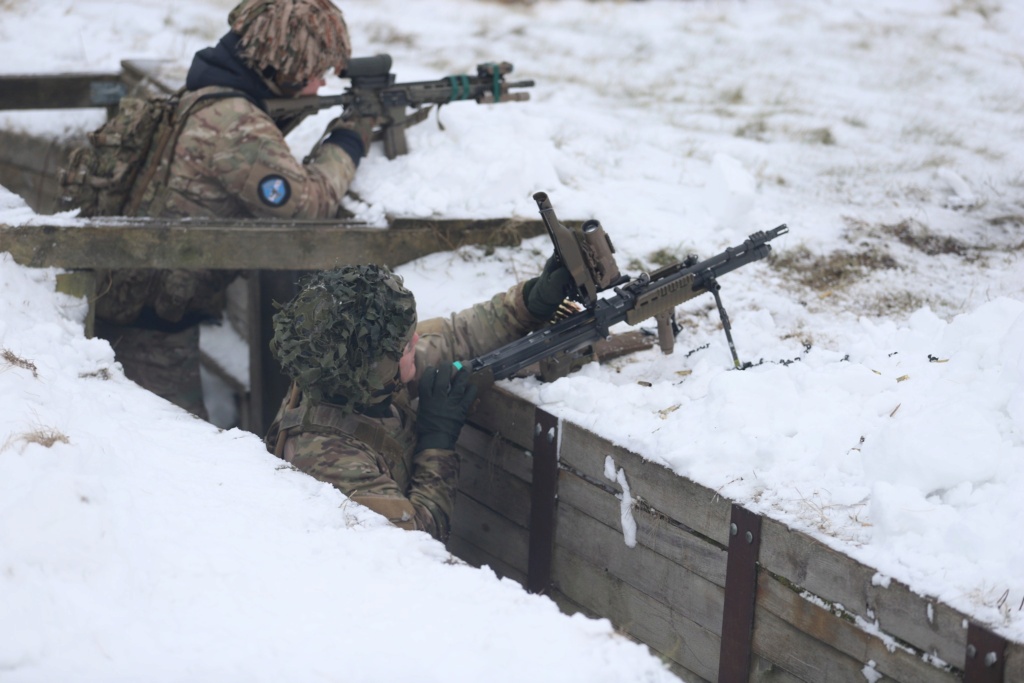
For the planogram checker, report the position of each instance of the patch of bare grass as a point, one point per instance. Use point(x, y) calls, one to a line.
point(12, 359)
point(917, 236)
point(44, 436)
point(837, 270)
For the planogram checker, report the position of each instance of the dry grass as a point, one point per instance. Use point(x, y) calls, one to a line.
point(917, 236)
point(830, 272)
point(44, 436)
point(11, 359)
point(102, 373)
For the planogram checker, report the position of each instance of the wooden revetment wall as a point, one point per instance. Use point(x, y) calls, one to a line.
point(535, 506)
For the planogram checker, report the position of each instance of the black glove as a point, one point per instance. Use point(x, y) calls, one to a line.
point(352, 135)
point(544, 293)
point(444, 403)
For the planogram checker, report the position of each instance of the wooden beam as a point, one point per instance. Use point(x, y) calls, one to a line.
point(253, 244)
point(61, 91)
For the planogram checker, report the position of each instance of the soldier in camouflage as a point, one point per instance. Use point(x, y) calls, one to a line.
point(230, 160)
point(357, 358)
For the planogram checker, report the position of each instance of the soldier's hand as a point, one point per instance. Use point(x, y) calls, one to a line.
point(545, 292)
point(445, 399)
point(363, 126)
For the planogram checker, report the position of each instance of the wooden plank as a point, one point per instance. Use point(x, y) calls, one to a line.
point(60, 91)
point(695, 506)
point(1014, 663)
point(28, 168)
point(653, 531)
point(568, 606)
point(251, 244)
point(465, 550)
point(157, 76)
point(497, 452)
point(490, 532)
point(765, 671)
point(682, 672)
point(500, 412)
point(39, 155)
point(802, 656)
point(928, 626)
point(504, 493)
point(661, 580)
point(844, 636)
point(661, 628)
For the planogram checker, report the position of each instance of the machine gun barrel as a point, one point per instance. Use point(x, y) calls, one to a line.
point(644, 297)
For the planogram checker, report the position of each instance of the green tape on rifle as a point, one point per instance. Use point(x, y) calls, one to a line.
point(495, 83)
point(459, 83)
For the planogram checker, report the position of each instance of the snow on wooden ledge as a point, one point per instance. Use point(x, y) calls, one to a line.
point(800, 611)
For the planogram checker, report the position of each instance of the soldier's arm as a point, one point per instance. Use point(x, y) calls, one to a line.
point(356, 470)
point(252, 162)
point(476, 330)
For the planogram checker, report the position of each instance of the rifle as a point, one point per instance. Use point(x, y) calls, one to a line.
point(374, 93)
point(587, 253)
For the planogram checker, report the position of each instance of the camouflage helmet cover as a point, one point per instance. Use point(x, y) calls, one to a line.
point(343, 334)
point(299, 39)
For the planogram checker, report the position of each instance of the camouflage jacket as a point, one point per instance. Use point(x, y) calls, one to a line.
point(230, 161)
point(373, 460)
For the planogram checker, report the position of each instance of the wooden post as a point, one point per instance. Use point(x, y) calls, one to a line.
point(268, 383)
point(544, 496)
point(740, 596)
point(986, 656)
point(81, 284)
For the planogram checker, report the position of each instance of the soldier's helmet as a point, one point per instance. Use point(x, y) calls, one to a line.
point(341, 337)
point(291, 41)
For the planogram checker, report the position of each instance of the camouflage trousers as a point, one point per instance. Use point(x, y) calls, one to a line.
point(166, 363)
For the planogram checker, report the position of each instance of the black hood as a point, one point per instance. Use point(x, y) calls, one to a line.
point(221, 66)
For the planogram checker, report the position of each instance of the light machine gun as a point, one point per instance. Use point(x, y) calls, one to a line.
point(587, 253)
point(373, 93)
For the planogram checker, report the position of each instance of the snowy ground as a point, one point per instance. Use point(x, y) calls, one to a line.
point(887, 138)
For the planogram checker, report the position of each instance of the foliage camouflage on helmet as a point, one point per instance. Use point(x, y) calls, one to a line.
point(344, 333)
point(299, 39)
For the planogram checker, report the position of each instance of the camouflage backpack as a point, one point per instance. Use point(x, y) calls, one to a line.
point(109, 176)
point(101, 177)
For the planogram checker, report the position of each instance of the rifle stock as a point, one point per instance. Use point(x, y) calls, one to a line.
point(373, 93)
point(644, 297)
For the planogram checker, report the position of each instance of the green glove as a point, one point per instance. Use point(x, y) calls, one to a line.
point(544, 293)
point(445, 400)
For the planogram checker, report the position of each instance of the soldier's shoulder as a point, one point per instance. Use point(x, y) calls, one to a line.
point(217, 103)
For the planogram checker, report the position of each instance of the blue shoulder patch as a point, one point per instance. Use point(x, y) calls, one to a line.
point(274, 190)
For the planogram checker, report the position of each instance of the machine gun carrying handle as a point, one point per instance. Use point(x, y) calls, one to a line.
point(586, 251)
